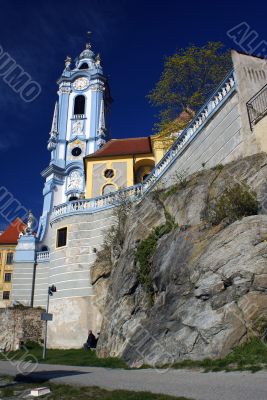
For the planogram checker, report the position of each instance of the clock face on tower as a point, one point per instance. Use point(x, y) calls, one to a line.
point(81, 83)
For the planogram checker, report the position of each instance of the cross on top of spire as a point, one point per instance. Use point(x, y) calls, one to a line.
point(87, 53)
point(88, 44)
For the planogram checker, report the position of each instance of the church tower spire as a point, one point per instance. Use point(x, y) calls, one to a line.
point(52, 142)
point(78, 127)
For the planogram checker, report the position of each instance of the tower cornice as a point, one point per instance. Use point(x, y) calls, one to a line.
point(94, 74)
point(52, 169)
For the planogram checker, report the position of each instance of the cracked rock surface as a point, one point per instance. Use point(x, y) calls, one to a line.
point(210, 283)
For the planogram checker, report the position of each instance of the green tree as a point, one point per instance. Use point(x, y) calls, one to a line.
point(188, 78)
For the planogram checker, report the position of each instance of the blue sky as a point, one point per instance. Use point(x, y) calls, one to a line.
point(133, 38)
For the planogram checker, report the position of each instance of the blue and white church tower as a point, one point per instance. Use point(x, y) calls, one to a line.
point(64, 250)
point(78, 129)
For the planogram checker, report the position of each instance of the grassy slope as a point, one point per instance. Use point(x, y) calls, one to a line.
point(64, 392)
point(77, 357)
point(251, 356)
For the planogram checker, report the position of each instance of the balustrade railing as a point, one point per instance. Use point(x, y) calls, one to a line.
point(42, 256)
point(137, 191)
point(188, 134)
point(257, 106)
point(108, 200)
point(78, 116)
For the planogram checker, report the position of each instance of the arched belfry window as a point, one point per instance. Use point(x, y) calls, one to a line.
point(79, 105)
point(84, 66)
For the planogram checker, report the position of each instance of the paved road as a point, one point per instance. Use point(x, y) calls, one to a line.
point(191, 384)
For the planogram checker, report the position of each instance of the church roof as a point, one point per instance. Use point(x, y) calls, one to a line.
point(11, 234)
point(118, 147)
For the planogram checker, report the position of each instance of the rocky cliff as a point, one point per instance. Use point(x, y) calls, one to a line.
point(204, 289)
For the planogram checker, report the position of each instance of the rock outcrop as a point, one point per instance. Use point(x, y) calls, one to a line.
point(209, 282)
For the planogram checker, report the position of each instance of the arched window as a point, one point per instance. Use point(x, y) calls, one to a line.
point(72, 198)
point(109, 188)
point(44, 248)
point(142, 169)
point(84, 66)
point(79, 105)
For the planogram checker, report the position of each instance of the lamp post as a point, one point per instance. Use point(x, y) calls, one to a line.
point(46, 316)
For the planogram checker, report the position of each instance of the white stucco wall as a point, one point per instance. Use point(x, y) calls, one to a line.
point(218, 142)
point(69, 270)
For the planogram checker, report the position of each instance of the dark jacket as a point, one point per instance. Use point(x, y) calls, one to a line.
point(91, 340)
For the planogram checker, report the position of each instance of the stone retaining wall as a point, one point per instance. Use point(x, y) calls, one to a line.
point(19, 325)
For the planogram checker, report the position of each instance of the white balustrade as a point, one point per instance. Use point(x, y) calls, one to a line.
point(78, 116)
point(42, 256)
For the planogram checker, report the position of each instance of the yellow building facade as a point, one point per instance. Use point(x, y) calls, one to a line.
point(119, 163)
point(6, 260)
point(122, 163)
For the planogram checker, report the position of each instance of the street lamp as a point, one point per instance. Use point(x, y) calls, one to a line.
point(46, 316)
